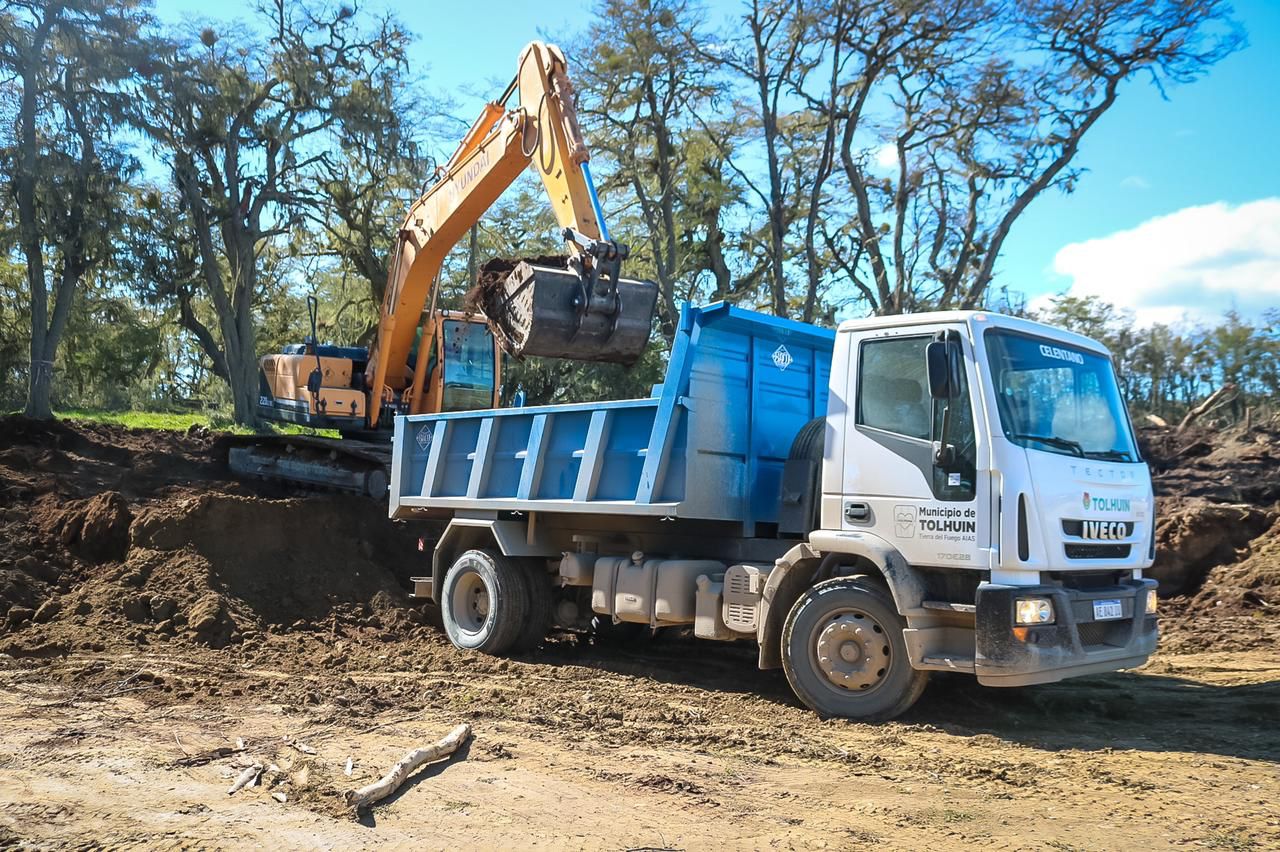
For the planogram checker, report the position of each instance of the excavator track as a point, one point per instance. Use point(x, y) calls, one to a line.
point(352, 466)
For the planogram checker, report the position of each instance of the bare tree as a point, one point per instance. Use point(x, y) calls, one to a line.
point(983, 106)
point(761, 65)
point(892, 146)
point(245, 125)
point(640, 86)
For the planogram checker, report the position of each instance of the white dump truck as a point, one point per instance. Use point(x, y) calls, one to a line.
point(957, 492)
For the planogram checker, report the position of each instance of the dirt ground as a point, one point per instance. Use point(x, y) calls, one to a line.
point(162, 626)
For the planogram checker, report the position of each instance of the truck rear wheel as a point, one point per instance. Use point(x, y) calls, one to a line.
point(485, 604)
point(844, 655)
point(538, 621)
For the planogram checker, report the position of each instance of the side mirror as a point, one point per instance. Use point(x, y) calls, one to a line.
point(938, 363)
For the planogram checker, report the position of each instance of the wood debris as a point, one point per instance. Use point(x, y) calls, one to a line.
point(389, 783)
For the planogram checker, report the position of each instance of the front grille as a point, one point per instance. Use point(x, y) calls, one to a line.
point(1113, 633)
point(1097, 551)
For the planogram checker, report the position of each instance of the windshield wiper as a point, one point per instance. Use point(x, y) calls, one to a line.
point(1053, 441)
point(1110, 455)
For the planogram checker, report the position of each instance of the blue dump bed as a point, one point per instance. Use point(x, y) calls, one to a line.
point(709, 444)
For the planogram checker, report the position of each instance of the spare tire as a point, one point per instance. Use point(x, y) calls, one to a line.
point(801, 507)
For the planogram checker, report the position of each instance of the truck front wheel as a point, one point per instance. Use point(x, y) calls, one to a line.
point(844, 655)
point(485, 604)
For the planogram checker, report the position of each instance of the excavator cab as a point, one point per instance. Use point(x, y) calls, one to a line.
point(324, 386)
point(463, 370)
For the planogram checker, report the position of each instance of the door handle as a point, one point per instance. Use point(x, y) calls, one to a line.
point(856, 512)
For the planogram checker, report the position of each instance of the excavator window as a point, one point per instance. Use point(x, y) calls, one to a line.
point(468, 366)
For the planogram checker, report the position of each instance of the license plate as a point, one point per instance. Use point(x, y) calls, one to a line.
point(1107, 610)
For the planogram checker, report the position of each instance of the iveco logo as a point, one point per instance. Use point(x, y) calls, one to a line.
point(1104, 529)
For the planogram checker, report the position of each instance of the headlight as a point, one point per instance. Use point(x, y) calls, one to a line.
point(1152, 602)
point(1033, 611)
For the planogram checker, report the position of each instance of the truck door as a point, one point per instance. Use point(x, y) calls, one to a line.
point(896, 484)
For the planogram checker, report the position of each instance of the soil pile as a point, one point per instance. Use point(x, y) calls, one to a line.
point(1218, 536)
point(109, 535)
point(487, 294)
point(114, 535)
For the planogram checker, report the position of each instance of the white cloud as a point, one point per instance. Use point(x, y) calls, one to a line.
point(1194, 263)
point(1135, 182)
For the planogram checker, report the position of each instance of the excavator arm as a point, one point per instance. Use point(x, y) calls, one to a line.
point(541, 131)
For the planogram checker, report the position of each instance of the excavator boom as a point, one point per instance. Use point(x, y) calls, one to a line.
point(569, 313)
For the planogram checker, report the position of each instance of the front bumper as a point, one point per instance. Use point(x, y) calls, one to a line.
point(1075, 644)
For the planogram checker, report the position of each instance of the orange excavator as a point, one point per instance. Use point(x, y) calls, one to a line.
point(424, 359)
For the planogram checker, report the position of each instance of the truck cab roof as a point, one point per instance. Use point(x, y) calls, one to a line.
point(975, 320)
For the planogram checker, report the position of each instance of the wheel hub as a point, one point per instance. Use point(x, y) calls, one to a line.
point(470, 602)
point(480, 602)
point(853, 651)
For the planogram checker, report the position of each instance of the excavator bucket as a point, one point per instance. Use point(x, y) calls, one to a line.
point(536, 311)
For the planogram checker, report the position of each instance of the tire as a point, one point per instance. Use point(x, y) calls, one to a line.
point(852, 616)
point(539, 619)
point(485, 602)
point(810, 442)
point(810, 445)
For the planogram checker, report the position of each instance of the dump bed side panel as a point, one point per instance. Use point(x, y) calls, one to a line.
point(709, 444)
point(548, 458)
point(755, 380)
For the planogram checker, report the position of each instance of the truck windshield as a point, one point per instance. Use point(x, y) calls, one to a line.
point(468, 366)
point(1058, 398)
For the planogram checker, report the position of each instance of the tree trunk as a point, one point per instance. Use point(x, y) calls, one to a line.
point(1223, 394)
point(39, 391)
point(242, 367)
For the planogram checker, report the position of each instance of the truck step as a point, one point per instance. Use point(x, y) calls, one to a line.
point(947, 663)
point(948, 606)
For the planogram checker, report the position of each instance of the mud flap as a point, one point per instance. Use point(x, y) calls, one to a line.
point(537, 313)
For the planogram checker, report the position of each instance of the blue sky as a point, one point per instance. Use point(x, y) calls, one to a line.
point(1174, 217)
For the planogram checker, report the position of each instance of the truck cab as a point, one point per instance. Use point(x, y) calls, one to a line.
point(956, 491)
point(996, 456)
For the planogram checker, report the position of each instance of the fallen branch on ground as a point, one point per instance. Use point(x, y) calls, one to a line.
point(391, 782)
point(1222, 395)
point(302, 747)
point(204, 757)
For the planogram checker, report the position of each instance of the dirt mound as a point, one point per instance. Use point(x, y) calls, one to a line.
point(1251, 585)
point(109, 535)
point(1193, 536)
point(1235, 466)
point(1217, 555)
point(98, 528)
point(1237, 607)
point(281, 561)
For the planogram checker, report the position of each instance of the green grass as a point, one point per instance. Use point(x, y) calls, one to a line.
point(181, 421)
point(174, 420)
